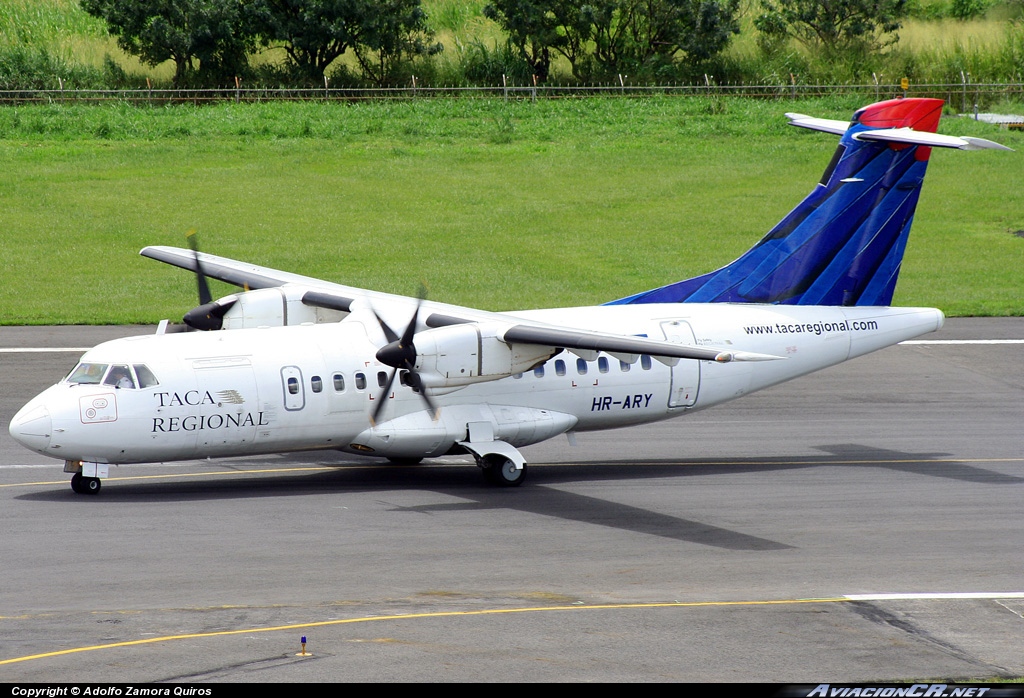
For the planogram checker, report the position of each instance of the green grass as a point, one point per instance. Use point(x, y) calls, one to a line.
point(493, 204)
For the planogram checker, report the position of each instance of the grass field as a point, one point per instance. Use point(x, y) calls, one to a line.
point(492, 204)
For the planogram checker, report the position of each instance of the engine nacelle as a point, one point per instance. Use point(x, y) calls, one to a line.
point(459, 355)
point(274, 307)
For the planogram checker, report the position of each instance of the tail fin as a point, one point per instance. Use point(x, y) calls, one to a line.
point(843, 244)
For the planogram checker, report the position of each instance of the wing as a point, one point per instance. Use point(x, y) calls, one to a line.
point(230, 271)
point(394, 310)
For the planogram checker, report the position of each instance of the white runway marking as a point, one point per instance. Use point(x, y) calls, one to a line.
point(40, 350)
point(963, 341)
point(939, 595)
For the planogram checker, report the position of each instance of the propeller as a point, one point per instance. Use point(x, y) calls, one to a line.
point(208, 315)
point(400, 354)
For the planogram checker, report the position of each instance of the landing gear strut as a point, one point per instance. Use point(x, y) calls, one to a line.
point(85, 485)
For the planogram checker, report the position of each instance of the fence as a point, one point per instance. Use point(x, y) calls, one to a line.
point(964, 96)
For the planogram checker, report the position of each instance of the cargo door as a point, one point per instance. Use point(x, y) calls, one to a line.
point(686, 373)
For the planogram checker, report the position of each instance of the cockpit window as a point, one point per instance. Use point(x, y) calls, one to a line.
point(119, 376)
point(115, 376)
point(145, 376)
point(87, 374)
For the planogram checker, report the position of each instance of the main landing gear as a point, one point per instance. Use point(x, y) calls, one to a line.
point(501, 463)
point(501, 471)
point(85, 485)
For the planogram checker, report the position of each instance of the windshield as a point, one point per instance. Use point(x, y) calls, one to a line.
point(87, 374)
point(116, 375)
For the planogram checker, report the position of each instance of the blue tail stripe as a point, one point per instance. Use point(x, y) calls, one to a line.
point(852, 270)
point(882, 285)
point(818, 239)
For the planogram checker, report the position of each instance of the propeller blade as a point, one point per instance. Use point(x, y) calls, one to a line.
point(204, 288)
point(400, 354)
point(417, 384)
point(382, 400)
point(388, 332)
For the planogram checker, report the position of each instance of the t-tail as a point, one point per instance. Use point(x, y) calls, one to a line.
point(843, 244)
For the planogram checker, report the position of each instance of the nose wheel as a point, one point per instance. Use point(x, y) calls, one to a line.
point(85, 485)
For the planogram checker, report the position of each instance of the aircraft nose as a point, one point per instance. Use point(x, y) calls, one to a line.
point(31, 427)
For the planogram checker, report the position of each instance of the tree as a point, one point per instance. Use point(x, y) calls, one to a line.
point(531, 29)
point(639, 35)
point(834, 26)
point(314, 32)
point(389, 33)
point(214, 32)
point(605, 37)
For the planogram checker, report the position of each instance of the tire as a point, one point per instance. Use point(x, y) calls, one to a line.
point(76, 483)
point(91, 485)
point(502, 472)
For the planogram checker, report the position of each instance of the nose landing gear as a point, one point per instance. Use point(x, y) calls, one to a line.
point(85, 485)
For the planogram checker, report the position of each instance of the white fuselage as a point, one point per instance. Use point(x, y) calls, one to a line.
point(275, 389)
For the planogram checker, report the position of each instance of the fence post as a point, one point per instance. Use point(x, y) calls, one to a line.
point(238, 89)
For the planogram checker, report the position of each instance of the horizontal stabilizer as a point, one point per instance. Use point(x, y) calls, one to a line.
point(827, 125)
point(909, 136)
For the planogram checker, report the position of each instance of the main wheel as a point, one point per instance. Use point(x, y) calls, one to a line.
point(76, 483)
point(502, 472)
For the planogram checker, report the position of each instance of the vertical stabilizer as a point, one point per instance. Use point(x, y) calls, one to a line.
point(843, 244)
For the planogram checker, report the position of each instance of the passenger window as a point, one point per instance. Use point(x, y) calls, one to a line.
point(145, 376)
point(624, 367)
point(360, 381)
point(581, 367)
point(645, 362)
point(602, 364)
point(539, 371)
point(339, 383)
point(293, 385)
point(560, 368)
point(517, 375)
point(316, 383)
point(382, 379)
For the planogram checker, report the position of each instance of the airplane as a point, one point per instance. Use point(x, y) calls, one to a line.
point(293, 363)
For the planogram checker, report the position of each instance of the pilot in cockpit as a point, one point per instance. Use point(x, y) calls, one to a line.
point(120, 377)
